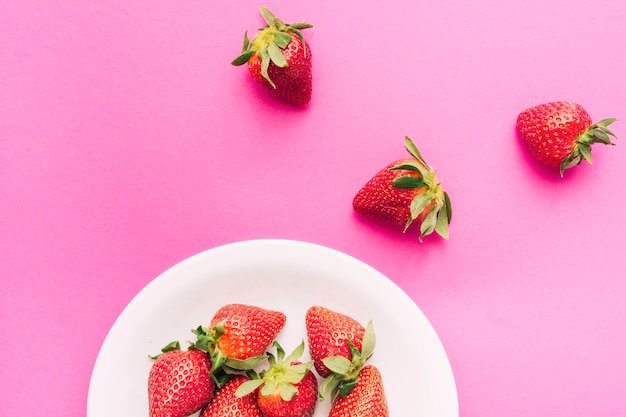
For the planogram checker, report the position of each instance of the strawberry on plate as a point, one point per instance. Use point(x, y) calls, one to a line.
point(406, 192)
point(237, 338)
point(179, 383)
point(345, 370)
point(328, 334)
point(279, 58)
point(560, 134)
point(366, 399)
point(226, 404)
point(355, 388)
point(287, 388)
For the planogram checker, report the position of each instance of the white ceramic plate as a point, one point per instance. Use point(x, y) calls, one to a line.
point(282, 275)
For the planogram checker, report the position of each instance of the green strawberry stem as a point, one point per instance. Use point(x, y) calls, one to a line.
point(596, 133)
point(269, 43)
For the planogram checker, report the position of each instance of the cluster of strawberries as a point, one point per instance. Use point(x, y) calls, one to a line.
point(219, 373)
point(406, 192)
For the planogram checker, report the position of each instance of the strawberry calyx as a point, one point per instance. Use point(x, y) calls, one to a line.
point(269, 42)
point(281, 376)
point(596, 133)
point(433, 199)
point(223, 366)
point(345, 372)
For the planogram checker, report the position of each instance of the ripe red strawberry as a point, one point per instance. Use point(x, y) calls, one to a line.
point(344, 370)
point(406, 192)
point(237, 338)
point(560, 134)
point(366, 399)
point(226, 403)
point(328, 332)
point(248, 330)
point(279, 58)
point(179, 383)
point(287, 388)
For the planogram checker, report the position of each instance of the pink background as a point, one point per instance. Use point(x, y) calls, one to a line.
point(129, 143)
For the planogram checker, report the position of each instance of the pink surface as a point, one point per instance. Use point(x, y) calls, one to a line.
point(128, 143)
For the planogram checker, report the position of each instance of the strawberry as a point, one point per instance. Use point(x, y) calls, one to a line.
point(287, 387)
point(226, 404)
point(560, 134)
point(237, 338)
point(179, 383)
point(345, 370)
point(279, 58)
point(366, 399)
point(328, 332)
point(406, 192)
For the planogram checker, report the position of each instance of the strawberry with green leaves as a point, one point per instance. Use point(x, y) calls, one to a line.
point(328, 333)
point(226, 403)
point(345, 370)
point(279, 58)
point(237, 338)
point(287, 388)
point(366, 399)
point(560, 134)
point(355, 388)
point(406, 192)
point(179, 383)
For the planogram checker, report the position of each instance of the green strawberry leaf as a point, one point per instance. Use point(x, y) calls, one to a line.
point(299, 371)
point(244, 364)
point(573, 159)
point(606, 122)
point(369, 341)
point(246, 42)
point(279, 24)
point(248, 387)
point(441, 226)
point(337, 364)
point(607, 131)
point(600, 136)
point(408, 224)
point(428, 225)
point(282, 39)
point(296, 354)
point(175, 345)
point(301, 25)
point(419, 203)
point(268, 16)
point(408, 166)
point(276, 55)
point(408, 182)
point(448, 206)
point(271, 359)
point(220, 378)
point(287, 391)
point(347, 386)
point(243, 58)
point(265, 63)
point(329, 386)
point(585, 151)
point(410, 146)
